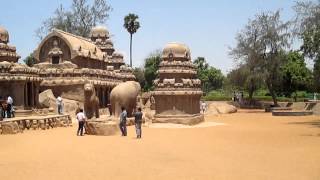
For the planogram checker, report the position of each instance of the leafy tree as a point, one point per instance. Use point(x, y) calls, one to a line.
point(29, 60)
point(308, 29)
point(242, 78)
point(151, 67)
point(79, 19)
point(296, 76)
point(139, 74)
point(260, 45)
point(132, 25)
point(211, 78)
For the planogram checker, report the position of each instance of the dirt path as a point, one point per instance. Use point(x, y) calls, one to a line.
point(253, 146)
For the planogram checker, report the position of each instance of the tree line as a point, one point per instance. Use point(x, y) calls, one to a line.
point(264, 56)
point(263, 53)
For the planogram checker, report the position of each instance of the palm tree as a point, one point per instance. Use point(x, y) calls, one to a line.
point(132, 24)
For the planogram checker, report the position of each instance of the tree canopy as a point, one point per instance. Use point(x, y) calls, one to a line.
point(211, 78)
point(259, 46)
point(79, 19)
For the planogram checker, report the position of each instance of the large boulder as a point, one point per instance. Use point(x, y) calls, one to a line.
point(220, 108)
point(101, 128)
point(10, 128)
point(48, 100)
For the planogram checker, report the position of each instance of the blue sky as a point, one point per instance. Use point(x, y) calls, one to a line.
point(208, 27)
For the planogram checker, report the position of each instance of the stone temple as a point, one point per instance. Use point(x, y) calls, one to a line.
point(64, 63)
point(178, 91)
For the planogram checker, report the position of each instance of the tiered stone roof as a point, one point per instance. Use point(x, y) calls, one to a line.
point(177, 74)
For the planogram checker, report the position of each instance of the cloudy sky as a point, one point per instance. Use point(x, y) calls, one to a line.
point(208, 27)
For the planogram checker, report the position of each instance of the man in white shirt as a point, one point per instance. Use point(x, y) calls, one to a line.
point(60, 104)
point(9, 106)
point(81, 120)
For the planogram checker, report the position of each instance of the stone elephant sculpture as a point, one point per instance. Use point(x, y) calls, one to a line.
point(124, 95)
point(91, 101)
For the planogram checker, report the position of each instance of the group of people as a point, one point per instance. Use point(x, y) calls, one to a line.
point(81, 118)
point(6, 107)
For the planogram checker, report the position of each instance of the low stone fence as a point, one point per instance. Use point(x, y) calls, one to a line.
point(19, 124)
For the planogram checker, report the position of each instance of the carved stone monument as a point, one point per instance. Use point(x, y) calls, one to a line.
point(178, 91)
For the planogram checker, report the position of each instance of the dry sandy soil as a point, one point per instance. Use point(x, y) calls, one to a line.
point(250, 145)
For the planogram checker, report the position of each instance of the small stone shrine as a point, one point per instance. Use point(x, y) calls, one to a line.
point(177, 93)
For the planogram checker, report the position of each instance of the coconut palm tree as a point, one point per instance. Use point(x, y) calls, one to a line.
point(132, 24)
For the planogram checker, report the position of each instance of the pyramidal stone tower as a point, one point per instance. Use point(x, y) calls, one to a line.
point(178, 91)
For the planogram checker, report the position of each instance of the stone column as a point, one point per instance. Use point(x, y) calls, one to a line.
point(17, 93)
point(32, 94)
point(103, 97)
point(36, 98)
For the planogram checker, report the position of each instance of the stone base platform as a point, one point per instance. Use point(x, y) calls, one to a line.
point(23, 113)
point(179, 119)
point(292, 113)
point(19, 124)
point(101, 128)
point(271, 109)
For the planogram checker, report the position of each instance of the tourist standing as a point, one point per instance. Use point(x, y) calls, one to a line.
point(203, 107)
point(123, 121)
point(9, 106)
point(138, 121)
point(60, 104)
point(81, 120)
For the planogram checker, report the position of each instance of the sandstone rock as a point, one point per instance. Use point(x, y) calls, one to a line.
point(220, 108)
point(10, 128)
point(48, 100)
point(101, 128)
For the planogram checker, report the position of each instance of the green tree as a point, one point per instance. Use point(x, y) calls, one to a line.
point(139, 74)
point(296, 75)
point(132, 25)
point(211, 78)
point(308, 29)
point(29, 60)
point(242, 78)
point(260, 45)
point(151, 67)
point(79, 19)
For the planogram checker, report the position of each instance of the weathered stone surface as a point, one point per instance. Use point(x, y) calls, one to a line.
point(187, 120)
point(124, 95)
point(220, 108)
point(48, 100)
point(10, 128)
point(101, 128)
point(91, 101)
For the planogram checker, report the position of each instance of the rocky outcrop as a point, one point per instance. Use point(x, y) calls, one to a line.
point(10, 128)
point(220, 108)
point(48, 100)
point(101, 128)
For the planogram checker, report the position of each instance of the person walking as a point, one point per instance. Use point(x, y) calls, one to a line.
point(9, 106)
point(81, 120)
point(123, 121)
point(138, 121)
point(60, 104)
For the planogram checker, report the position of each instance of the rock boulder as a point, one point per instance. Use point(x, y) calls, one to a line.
point(101, 128)
point(220, 108)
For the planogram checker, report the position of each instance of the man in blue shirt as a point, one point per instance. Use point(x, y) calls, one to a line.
point(123, 121)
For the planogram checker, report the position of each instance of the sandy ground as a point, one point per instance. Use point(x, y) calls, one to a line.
point(249, 145)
